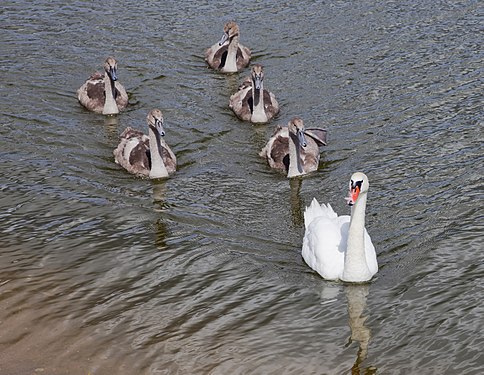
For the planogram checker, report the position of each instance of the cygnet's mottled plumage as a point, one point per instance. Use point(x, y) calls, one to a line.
point(252, 102)
point(228, 55)
point(103, 93)
point(146, 156)
point(294, 149)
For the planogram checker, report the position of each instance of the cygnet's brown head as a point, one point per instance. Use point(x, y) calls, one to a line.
point(110, 67)
point(296, 130)
point(231, 29)
point(155, 121)
point(257, 75)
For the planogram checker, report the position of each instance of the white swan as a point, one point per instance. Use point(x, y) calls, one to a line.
point(146, 156)
point(103, 93)
point(339, 247)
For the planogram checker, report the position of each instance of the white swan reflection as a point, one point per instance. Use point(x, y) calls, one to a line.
point(356, 296)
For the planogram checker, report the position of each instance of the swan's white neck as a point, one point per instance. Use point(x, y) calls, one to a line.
point(258, 111)
point(158, 168)
point(295, 164)
point(110, 106)
point(356, 267)
point(231, 61)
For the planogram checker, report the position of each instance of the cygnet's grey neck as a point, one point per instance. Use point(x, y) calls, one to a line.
point(110, 105)
point(231, 61)
point(158, 168)
point(296, 167)
point(258, 111)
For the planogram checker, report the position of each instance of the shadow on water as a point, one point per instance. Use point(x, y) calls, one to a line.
point(159, 194)
point(297, 203)
point(233, 81)
point(161, 234)
point(111, 123)
point(356, 296)
point(111, 126)
point(160, 205)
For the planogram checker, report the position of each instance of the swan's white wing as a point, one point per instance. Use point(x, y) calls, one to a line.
point(322, 245)
point(315, 210)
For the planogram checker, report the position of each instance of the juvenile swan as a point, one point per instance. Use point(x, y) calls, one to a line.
point(339, 247)
point(252, 102)
point(146, 156)
point(104, 94)
point(228, 55)
point(294, 149)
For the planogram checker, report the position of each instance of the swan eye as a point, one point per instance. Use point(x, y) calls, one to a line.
point(356, 184)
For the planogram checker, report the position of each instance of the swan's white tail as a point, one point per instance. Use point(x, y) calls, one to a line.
point(315, 210)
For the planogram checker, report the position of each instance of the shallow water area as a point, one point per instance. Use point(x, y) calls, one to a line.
point(106, 273)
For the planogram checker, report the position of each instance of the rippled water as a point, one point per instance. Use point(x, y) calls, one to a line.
point(105, 273)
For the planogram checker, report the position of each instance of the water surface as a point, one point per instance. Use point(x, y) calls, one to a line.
point(105, 273)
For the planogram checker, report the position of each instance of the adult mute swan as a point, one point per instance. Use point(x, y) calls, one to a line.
point(294, 149)
point(252, 102)
point(103, 93)
point(228, 55)
point(339, 247)
point(146, 156)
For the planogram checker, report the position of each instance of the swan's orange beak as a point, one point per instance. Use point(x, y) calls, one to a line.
point(353, 195)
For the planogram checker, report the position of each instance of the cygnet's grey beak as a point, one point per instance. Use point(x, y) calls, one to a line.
point(224, 38)
point(302, 138)
point(112, 73)
point(159, 127)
